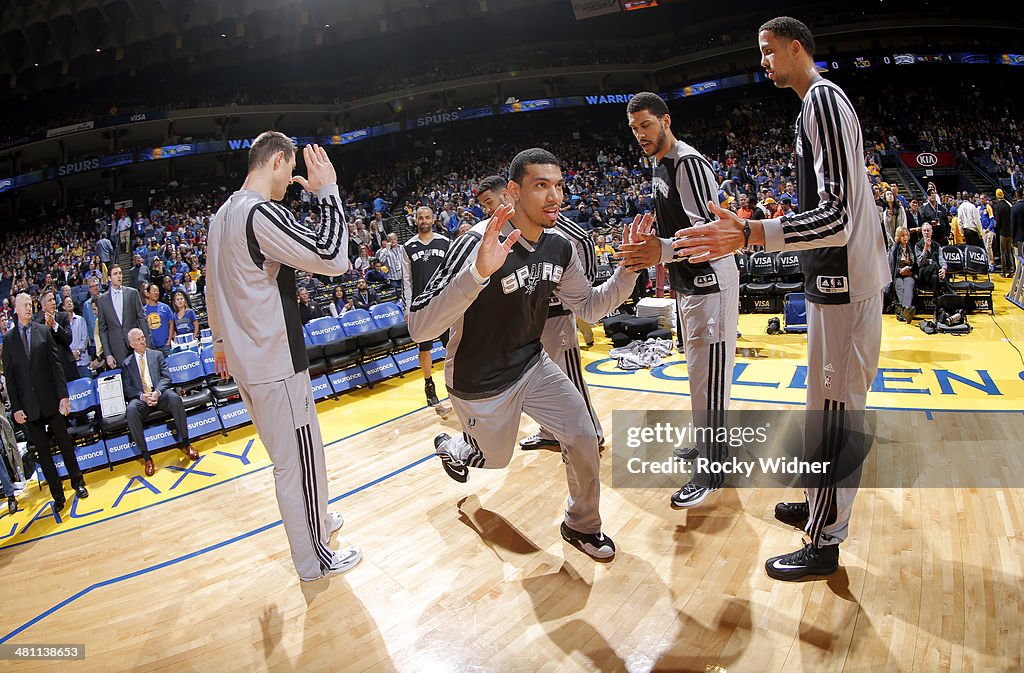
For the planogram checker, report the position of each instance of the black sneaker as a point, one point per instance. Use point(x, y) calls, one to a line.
point(793, 513)
point(810, 560)
point(535, 441)
point(597, 546)
point(455, 468)
point(686, 453)
point(428, 388)
point(691, 495)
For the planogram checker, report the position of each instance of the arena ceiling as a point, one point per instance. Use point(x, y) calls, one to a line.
point(44, 43)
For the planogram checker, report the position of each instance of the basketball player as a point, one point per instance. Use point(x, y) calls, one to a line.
point(844, 263)
point(559, 336)
point(707, 292)
point(495, 367)
point(421, 255)
point(255, 245)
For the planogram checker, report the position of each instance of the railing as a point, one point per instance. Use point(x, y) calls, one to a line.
point(981, 172)
point(907, 175)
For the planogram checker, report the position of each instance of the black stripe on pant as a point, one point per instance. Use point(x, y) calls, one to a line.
point(477, 459)
point(574, 368)
point(717, 448)
point(833, 435)
point(310, 497)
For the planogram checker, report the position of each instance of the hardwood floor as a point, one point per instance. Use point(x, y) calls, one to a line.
point(474, 577)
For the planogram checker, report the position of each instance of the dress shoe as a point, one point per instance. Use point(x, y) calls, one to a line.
point(82, 492)
point(58, 505)
point(149, 469)
point(190, 452)
point(12, 504)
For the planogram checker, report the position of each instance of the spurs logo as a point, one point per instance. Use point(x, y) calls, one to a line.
point(527, 277)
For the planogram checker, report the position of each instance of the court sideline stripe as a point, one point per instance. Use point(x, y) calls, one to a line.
point(191, 555)
point(200, 490)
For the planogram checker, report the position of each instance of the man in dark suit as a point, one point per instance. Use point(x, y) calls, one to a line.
point(39, 396)
point(120, 312)
point(934, 212)
point(60, 328)
point(1017, 222)
point(147, 387)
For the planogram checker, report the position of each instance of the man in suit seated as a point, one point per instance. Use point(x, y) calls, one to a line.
point(147, 386)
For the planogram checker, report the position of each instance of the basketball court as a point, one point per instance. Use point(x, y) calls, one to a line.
point(189, 570)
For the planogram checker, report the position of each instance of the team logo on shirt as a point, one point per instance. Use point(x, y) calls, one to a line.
point(428, 252)
point(660, 186)
point(527, 277)
point(833, 284)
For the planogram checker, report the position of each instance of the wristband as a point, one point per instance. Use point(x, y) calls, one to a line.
point(480, 280)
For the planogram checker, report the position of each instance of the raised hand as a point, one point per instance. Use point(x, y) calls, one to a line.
point(319, 168)
point(493, 252)
point(640, 247)
point(712, 240)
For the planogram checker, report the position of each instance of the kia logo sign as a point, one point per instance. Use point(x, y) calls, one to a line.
point(927, 160)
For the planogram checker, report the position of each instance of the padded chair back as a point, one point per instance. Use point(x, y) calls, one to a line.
point(977, 260)
point(209, 364)
point(357, 321)
point(762, 265)
point(83, 396)
point(954, 257)
point(387, 315)
point(323, 330)
point(789, 264)
point(185, 367)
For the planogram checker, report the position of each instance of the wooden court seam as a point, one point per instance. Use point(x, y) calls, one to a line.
point(199, 552)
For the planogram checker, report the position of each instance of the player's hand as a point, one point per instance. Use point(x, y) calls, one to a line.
point(220, 364)
point(640, 247)
point(493, 251)
point(709, 241)
point(318, 167)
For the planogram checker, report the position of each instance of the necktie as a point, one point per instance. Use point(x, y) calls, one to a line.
point(115, 296)
point(147, 384)
point(25, 340)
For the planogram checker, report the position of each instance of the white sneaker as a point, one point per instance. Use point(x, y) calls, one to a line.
point(337, 521)
point(345, 559)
